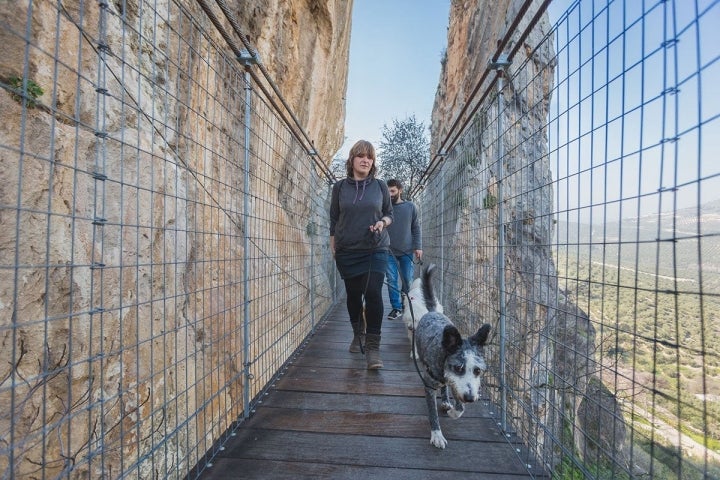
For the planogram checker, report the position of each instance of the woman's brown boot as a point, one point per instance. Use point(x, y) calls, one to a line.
point(372, 351)
point(356, 346)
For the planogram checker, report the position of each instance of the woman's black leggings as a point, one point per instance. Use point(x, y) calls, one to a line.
point(370, 284)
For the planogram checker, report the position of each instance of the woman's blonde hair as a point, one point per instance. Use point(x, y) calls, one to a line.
point(361, 147)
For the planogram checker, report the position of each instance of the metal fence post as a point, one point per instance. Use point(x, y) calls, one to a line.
point(442, 233)
point(312, 278)
point(246, 59)
point(97, 294)
point(500, 65)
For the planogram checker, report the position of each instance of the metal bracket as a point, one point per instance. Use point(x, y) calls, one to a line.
point(247, 58)
point(246, 370)
point(501, 63)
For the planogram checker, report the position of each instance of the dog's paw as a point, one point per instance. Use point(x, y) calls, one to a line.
point(454, 413)
point(437, 439)
point(446, 406)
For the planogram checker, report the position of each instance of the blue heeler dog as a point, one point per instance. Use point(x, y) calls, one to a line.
point(448, 361)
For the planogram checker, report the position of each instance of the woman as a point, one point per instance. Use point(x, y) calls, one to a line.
point(360, 212)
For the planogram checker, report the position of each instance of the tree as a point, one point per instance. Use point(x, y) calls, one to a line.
point(404, 152)
point(337, 167)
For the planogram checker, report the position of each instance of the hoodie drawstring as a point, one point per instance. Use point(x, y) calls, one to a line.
point(357, 189)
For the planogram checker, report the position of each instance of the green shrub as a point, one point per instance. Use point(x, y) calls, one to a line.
point(489, 201)
point(32, 93)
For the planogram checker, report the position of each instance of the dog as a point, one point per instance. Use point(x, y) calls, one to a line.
point(415, 310)
point(446, 361)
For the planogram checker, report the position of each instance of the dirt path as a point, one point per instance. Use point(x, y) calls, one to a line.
point(639, 272)
point(670, 434)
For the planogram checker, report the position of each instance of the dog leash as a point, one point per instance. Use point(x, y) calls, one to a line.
point(412, 316)
point(412, 347)
point(417, 368)
point(364, 302)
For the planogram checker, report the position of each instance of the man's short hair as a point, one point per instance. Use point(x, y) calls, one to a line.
point(394, 182)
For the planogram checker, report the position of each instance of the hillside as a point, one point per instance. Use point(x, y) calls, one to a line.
point(676, 246)
point(651, 285)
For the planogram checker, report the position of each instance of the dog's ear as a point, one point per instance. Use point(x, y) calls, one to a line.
point(451, 340)
point(481, 336)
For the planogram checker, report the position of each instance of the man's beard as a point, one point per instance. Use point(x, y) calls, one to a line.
point(395, 199)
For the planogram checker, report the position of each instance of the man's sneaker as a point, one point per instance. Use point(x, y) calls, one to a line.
point(394, 314)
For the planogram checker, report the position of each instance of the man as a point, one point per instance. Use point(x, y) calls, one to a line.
point(405, 243)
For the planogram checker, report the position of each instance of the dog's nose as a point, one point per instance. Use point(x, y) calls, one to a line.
point(469, 398)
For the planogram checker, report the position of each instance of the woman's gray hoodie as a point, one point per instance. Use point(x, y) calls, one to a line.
point(354, 206)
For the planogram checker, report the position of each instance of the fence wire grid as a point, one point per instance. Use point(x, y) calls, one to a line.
point(163, 249)
point(163, 242)
point(579, 213)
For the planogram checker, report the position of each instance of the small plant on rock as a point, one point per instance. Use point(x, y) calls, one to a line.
point(31, 92)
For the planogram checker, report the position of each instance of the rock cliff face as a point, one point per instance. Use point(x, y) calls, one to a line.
point(474, 29)
point(551, 342)
point(305, 46)
point(110, 188)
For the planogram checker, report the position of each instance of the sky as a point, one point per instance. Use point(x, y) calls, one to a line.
point(394, 70)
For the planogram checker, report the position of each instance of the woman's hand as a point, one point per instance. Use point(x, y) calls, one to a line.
point(378, 226)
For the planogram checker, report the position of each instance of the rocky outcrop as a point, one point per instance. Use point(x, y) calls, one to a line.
point(305, 47)
point(551, 342)
point(475, 26)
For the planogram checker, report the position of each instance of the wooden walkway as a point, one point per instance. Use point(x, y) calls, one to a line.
point(329, 417)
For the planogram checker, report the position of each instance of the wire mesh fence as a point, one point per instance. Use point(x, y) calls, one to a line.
point(162, 249)
point(579, 213)
point(163, 245)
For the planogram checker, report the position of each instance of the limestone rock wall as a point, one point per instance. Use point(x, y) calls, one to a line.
point(475, 26)
point(305, 46)
point(120, 267)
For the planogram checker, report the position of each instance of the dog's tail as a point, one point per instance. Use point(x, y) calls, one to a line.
point(428, 292)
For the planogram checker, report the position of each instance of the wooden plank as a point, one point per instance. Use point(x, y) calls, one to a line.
point(362, 403)
point(353, 380)
point(385, 424)
point(374, 451)
point(395, 331)
point(251, 469)
point(327, 416)
point(342, 339)
point(344, 360)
